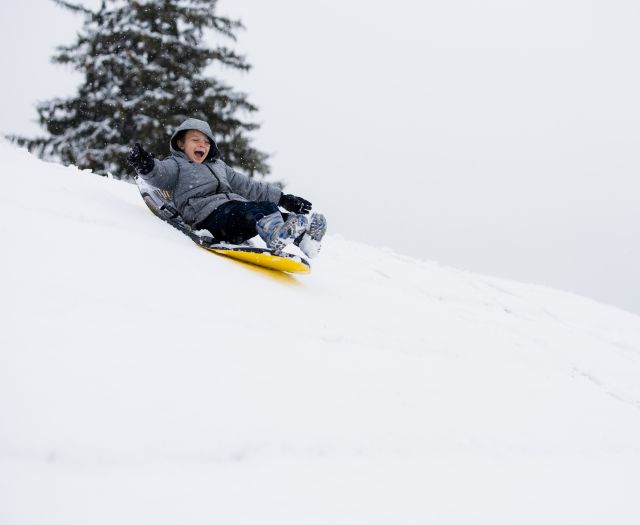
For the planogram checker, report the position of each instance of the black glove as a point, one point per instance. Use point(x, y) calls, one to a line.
point(294, 204)
point(140, 160)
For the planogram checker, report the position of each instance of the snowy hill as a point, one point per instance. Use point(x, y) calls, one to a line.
point(145, 381)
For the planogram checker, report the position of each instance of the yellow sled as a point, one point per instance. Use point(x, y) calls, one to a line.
point(283, 262)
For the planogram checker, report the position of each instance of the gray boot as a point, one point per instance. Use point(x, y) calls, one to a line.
point(310, 242)
point(278, 233)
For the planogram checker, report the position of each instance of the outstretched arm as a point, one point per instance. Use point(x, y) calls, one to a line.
point(261, 191)
point(252, 189)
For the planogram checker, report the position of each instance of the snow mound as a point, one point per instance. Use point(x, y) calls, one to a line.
point(145, 381)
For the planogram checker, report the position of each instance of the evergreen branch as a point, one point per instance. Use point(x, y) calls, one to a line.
point(227, 26)
point(77, 8)
point(229, 58)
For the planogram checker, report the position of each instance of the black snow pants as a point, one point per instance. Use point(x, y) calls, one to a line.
point(235, 221)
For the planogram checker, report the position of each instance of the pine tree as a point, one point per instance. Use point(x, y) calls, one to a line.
point(144, 72)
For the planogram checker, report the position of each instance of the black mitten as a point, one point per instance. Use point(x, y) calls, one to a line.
point(294, 204)
point(140, 160)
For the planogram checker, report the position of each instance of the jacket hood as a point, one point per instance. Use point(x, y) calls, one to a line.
point(202, 127)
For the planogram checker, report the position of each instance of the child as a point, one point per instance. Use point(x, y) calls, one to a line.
point(210, 195)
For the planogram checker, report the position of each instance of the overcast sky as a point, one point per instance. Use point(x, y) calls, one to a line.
point(500, 136)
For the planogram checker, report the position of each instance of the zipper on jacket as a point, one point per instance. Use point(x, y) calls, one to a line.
point(214, 174)
point(225, 193)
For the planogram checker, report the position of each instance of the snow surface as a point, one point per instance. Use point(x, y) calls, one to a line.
point(143, 380)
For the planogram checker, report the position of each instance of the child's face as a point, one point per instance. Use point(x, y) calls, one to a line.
point(195, 145)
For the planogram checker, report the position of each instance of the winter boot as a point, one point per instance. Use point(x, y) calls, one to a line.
point(310, 241)
point(277, 232)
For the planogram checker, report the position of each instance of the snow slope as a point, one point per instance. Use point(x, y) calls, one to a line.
point(145, 381)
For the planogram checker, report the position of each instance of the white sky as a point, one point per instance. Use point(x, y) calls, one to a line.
point(494, 135)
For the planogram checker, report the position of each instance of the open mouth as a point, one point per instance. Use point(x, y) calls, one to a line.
point(199, 154)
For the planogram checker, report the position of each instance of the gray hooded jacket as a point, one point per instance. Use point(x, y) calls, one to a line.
point(198, 189)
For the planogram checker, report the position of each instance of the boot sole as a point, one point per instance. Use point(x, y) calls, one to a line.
point(317, 227)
